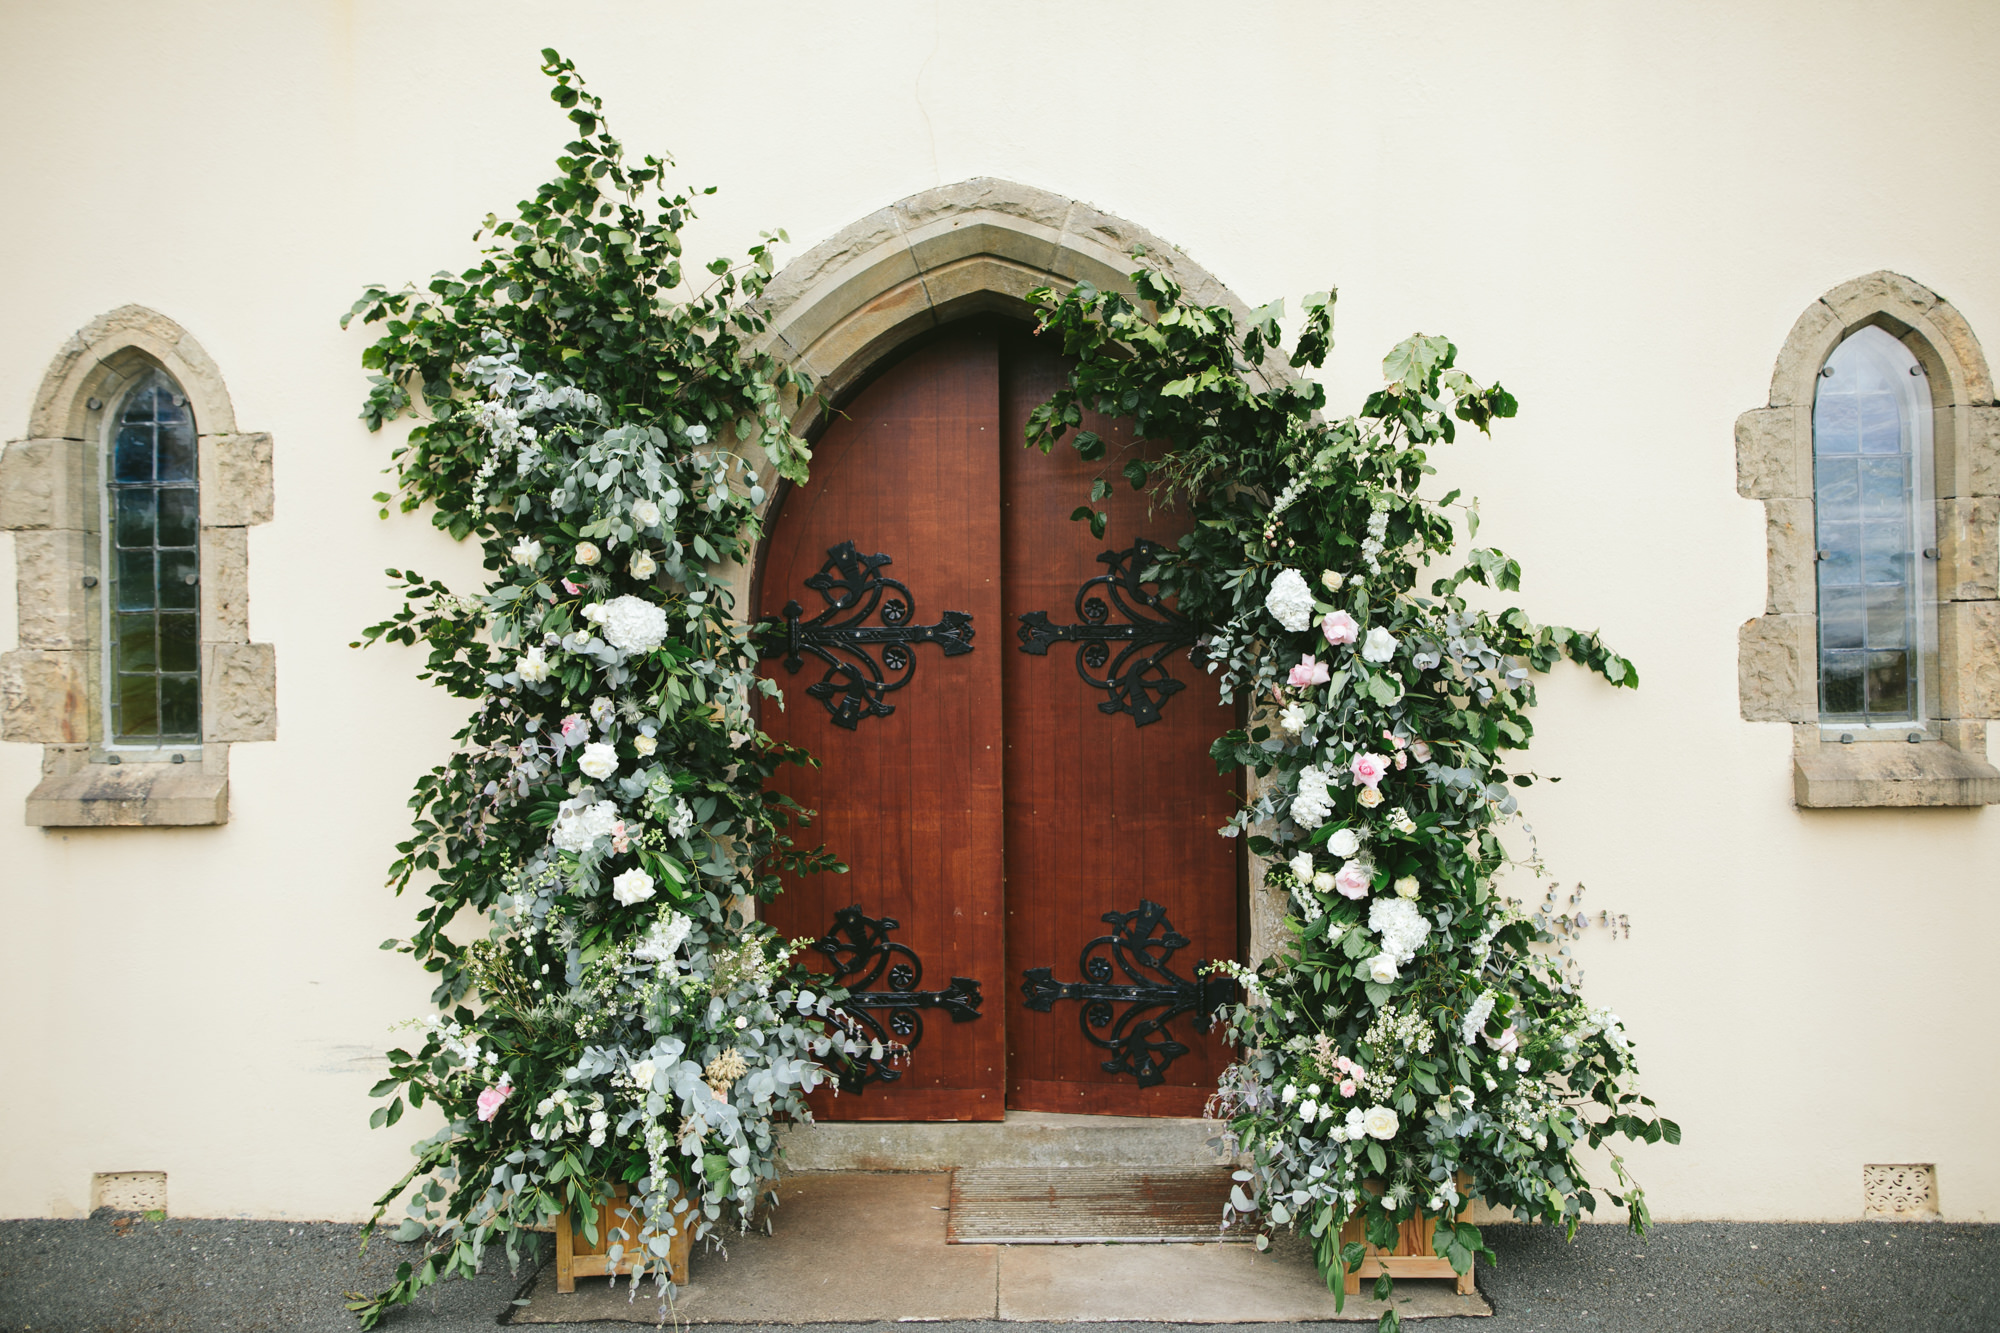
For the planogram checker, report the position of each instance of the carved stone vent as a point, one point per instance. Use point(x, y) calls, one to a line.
point(1906, 1192)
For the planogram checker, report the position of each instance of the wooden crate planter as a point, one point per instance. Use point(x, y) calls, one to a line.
point(1412, 1256)
point(577, 1257)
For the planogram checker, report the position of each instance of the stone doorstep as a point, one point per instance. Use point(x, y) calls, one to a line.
point(852, 1247)
point(1024, 1138)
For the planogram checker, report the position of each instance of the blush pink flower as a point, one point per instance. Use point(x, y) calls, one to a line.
point(619, 841)
point(489, 1100)
point(574, 728)
point(1339, 628)
point(1352, 881)
point(1369, 769)
point(1310, 672)
point(571, 588)
point(1347, 1087)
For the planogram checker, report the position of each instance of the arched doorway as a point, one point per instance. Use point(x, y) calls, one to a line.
point(1014, 748)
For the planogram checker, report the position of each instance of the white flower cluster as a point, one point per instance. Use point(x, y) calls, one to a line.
point(1312, 804)
point(1399, 1029)
point(1402, 926)
point(634, 625)
point(1290, 600)
point(663, 940)
point(1476, 1016)
point(1378, 531)
point(581, 821)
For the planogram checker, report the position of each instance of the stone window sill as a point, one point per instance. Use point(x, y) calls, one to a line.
point(1834, 776)
point(130, 795)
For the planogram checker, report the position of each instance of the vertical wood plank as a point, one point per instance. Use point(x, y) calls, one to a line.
point(912, 801)
point(1100, 813)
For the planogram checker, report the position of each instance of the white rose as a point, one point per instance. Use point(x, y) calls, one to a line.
point(1345, 842)
point(643, 565)
point(1382, 968)
point(599, 760)
point(1302, 867)
point(634, 886)
point(646, 514)
point(1323, 881)
point(1290, 600)
point(587, 553)
point(1292, 718)
point(1381, 1122)
point(642, 1073)
point(645, 745)
point(533, 666)
point(526, 551)
point(1331, 581)
point(1308, 1110)
point(1379, 646)
point(1357, 1121)
point(1406, 887)
point(593, 612)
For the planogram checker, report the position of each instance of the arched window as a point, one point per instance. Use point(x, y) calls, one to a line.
point(1875, 536)
point(152, 528)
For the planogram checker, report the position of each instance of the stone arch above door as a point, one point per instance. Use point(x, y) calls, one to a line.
point(979, 246)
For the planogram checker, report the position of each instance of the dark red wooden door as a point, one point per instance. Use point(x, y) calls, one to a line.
point(910, 801)
point(1102, 814)
point(998, 813)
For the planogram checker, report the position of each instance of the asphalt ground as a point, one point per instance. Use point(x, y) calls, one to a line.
point(210, 1276)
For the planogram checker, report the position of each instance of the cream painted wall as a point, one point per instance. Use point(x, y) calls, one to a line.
point(1618, 213)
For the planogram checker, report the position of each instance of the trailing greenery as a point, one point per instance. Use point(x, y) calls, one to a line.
point(604, 815)
point(1410, 1047)
point(585, 414)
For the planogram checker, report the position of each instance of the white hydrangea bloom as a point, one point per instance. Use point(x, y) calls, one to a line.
point(579, 823)
point(1312, 805)
point(1290, 600)
point(634, 625)
point(1402, 926)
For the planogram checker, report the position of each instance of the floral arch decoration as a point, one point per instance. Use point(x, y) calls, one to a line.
point(610, 433)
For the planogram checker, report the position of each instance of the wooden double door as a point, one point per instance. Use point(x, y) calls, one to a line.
point(1013, 747)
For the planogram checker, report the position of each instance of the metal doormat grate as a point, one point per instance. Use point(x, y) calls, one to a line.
point(1010, 1205)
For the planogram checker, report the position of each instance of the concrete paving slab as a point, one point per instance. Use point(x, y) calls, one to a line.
point(1196, 1284)
point(846, 1248)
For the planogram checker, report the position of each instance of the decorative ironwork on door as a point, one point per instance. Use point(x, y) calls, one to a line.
point(1141, 945)
point(855, 683)
point(1136, 680)
point(863, 954)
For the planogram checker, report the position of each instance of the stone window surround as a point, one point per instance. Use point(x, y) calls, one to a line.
point(50, 686)
point(1778, 652)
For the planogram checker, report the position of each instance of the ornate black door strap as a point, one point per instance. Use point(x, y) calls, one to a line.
point(862, 954)
point(855, 590)
point(1138, 686)
point(1141, 944)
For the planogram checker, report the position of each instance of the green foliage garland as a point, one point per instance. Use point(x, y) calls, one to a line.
point(605, 812)
point(1410, 1046)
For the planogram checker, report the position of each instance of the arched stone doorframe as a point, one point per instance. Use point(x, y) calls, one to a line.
point(975, 247)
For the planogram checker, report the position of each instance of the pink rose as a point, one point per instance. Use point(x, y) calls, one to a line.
point(1309, 672)
point(1347, 1087)
point(1352, 880)
point(571, 588)
point(489, 1100)
point(1339, 628)
point(1402, 761)
point(574, 728)
point(1507, 1044)
point(1369, 769)
point(619, 841)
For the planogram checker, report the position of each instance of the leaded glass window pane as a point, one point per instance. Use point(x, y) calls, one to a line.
point(154, 503)
point(1871, 442)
